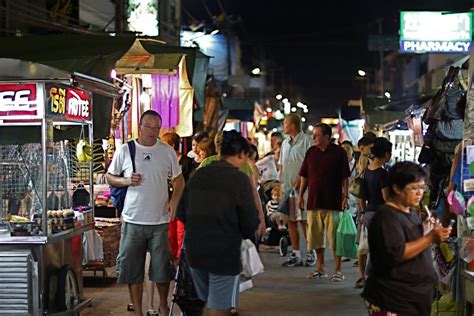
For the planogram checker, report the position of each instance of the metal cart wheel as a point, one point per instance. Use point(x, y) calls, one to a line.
point(67, 296)
point(283, 246)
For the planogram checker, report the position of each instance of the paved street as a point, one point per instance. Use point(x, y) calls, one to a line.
point(279, 291)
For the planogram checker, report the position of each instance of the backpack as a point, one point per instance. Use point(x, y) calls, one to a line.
point(117, 194)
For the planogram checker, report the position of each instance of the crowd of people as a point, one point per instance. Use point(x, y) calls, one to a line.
point(209, 200)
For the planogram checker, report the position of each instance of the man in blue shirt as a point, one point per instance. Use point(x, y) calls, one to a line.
point(293, 151)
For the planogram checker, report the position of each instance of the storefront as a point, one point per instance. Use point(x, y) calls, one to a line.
point(151, 75)
point(467, 190)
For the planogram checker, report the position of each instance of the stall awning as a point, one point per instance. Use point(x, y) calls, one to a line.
point(234, 104)
point(402, 104)
point(377, 117)
point(96, 55)
point(138, 60)
point(241, 109)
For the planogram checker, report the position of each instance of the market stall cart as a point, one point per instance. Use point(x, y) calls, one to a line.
point(46, 179)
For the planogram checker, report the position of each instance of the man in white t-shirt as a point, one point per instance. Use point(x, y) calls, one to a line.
point(146, 211)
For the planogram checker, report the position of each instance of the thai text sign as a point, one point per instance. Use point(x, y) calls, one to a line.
point(56, 100)
point(69, 103)
point(435, 32)
point(19, 101)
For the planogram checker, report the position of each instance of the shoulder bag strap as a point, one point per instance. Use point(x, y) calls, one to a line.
point(132, 149)
point(353, 167)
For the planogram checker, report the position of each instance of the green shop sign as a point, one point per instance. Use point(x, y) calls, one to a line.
point(435, 32)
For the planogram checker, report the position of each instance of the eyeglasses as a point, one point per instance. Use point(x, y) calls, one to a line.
point(151, 128)
point(416, 189)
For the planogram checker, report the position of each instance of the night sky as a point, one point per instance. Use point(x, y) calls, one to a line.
point(317, 46)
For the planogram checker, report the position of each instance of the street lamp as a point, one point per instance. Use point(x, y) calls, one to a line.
point(305, 110)
point(293, 109)
point(387, 95)
point(279, 97)
point(285, 100)
point(256, 71)
point(303, 119)
point(215, 32)
point(361, 73)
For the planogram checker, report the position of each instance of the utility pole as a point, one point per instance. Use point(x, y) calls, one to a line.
point(381, 48)
point(120, 16)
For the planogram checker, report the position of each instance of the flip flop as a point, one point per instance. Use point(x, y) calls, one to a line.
point(317, 275)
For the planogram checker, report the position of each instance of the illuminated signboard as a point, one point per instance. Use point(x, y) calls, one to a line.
point(20, 101)
point(78, 105)
point(69, 103)
point(56, 100)
point(435, 32)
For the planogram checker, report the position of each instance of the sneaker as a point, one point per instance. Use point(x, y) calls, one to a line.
point(344, 259)
point(311, 259)
point(152, 313)
point(355, 264)
point(293, 261)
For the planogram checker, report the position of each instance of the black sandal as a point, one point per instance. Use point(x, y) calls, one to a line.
point(130, 307)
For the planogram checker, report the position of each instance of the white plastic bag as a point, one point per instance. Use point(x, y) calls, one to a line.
point(251, 263)
point(364, 241)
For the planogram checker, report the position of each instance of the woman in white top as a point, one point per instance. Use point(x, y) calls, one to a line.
point(267, 166)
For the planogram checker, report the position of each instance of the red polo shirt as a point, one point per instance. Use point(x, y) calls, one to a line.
point(325, 171)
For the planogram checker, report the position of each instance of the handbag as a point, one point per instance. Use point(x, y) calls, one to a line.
point(251, 263)
point(364, 240)
point(426, 154)
point(357, 186)
point(450, 130)
point(442, 106)
point(117, 194)
point(289, 204)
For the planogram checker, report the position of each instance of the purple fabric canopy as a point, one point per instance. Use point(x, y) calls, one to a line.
point(165, 99)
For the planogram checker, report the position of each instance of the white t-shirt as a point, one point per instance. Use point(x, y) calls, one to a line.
point(147, 204)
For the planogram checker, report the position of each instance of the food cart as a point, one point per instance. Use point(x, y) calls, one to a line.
point(44, 185)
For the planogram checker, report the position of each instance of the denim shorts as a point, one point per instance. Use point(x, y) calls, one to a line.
point(135, 241)
point(219, 291)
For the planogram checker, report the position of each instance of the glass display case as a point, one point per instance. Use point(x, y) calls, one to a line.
point(46, 132)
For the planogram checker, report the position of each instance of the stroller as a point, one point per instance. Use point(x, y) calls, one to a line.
point(184, 292)
point(273, 236)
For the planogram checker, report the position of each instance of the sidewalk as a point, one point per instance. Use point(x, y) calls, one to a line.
point(278, 291)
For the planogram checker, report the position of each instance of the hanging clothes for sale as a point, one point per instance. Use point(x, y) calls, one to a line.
point(165, 98)
point(136, 106)
point(186, 100)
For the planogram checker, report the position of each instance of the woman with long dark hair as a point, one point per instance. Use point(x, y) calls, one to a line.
point(376, 188)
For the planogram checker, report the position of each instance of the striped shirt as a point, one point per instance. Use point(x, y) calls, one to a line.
point(272, 206)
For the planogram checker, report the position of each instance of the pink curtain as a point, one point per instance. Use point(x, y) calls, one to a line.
point(165, 98)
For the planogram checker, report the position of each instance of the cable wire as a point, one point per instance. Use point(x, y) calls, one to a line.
point(207, 10)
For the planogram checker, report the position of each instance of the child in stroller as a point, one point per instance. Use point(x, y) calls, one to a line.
point(276, 233)
point(273, 213)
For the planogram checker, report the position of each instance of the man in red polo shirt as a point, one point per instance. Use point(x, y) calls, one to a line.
point(325, 173)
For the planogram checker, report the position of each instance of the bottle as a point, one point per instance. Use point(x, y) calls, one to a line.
point(80, 217)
